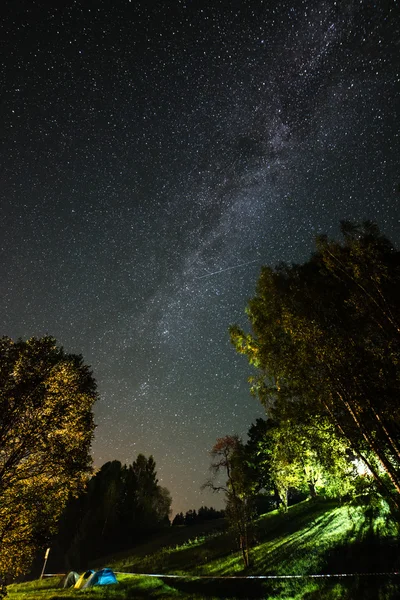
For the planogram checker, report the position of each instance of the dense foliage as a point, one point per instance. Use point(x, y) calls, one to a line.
point(288, 460)
point(122, 505)
point(46, 428)
point(326, 342)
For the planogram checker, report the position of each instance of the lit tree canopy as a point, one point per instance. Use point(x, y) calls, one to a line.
point(46, 428)
point(326, 342)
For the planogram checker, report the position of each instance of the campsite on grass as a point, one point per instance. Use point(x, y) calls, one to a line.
point(89, 579)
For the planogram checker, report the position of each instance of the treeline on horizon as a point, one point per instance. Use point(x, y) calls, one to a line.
point(193, 517)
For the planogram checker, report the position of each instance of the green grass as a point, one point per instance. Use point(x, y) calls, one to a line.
point(312, 538)
point(127, 587)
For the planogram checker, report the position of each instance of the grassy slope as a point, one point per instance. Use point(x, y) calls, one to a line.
point(312, 538)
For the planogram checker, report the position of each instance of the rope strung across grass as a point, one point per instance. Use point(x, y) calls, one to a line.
point(161, 576)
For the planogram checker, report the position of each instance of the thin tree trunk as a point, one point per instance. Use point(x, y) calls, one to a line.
point(396, 450)
point(372, 445)
point(380, 483)
point(312, 490)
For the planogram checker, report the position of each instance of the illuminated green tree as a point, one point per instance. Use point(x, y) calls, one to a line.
point(326, 339)
point(46, 428)
point(298, 453)
point(308, 454)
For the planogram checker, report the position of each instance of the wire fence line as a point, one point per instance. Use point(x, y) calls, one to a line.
point(311, 576)
point(162, 576)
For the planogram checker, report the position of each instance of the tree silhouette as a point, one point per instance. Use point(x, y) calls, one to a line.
point(227, 460)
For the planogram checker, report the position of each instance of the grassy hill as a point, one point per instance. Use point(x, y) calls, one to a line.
point(312, 538)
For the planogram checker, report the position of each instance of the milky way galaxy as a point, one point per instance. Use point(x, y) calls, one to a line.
point(154, 154)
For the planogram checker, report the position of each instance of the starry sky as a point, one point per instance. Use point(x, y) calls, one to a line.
point(153, 155)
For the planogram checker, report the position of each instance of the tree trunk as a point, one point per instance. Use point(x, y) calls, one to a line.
point(311, 488)
point(277, 497)
point(245, 549)
point(371, 443)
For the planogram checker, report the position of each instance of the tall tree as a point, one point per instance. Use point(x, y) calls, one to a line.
point(90, 526)
point(227, 460)
point(153, 501)
point(258, 452)
point(46, 428)
point(326, 335)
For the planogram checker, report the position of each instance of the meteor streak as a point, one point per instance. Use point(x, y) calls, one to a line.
point(227, 269)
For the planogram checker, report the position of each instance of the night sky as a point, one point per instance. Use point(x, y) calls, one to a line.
point(153, 155)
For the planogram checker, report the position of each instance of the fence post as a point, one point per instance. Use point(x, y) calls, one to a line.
point(46, 556)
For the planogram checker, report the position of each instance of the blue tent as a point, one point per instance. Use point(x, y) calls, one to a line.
point(102, 577)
